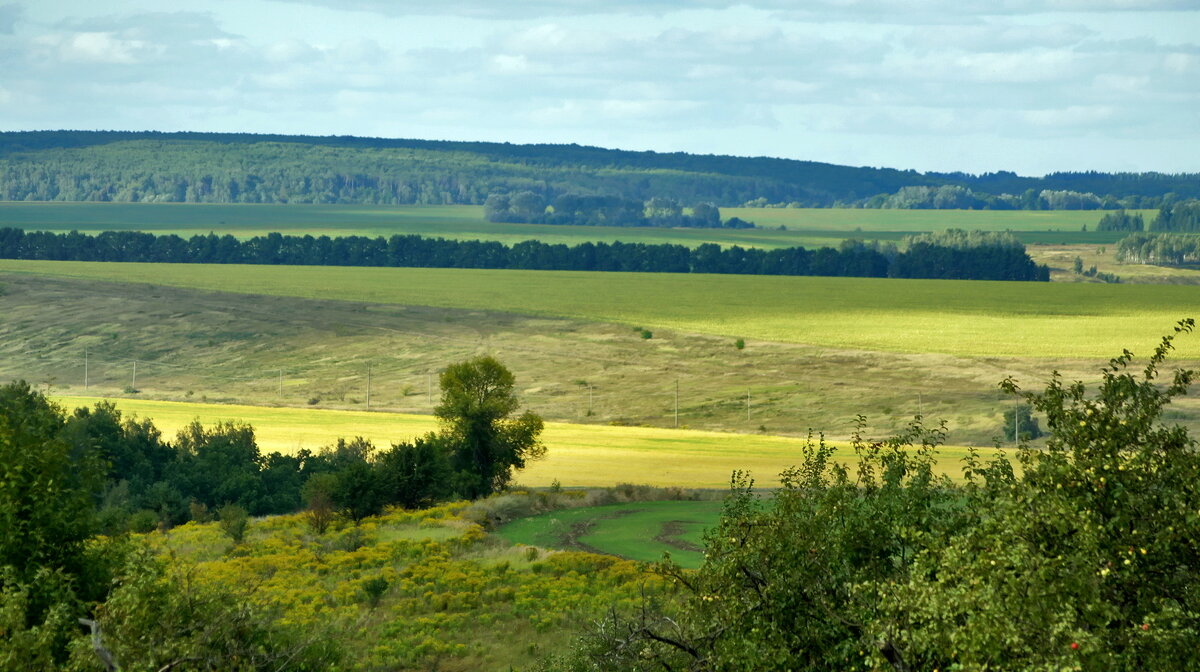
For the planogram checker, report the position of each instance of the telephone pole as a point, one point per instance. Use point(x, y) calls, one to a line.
point(677, 403)
point(133, 386)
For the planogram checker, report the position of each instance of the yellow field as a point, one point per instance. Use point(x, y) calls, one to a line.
point(578, 455)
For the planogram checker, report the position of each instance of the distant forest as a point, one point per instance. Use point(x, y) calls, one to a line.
point(949, 255)
point(249, 168)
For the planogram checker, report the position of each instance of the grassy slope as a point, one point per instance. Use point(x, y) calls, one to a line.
point(824, 226)
point(578, 455)
point(955, 317)
point(456, 598)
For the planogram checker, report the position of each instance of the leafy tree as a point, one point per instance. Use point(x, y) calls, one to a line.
point(417, 474)
point(46, 487)
point(487, 443)
point(360, 492)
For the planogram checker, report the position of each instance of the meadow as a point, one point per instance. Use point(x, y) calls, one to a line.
point(577, 455)
point(804, 226)
point(969, 318)
point(413, 590)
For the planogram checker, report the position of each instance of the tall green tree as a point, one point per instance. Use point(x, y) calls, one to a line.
point(487, 443)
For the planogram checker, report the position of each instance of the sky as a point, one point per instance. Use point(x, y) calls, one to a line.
point(1032, 86)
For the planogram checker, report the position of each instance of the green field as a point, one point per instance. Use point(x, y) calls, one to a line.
point(577, 455)
point(805, 226)
point(976, 318)
point(638, 531)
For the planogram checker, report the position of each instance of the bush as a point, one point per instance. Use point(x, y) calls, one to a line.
point(234, 520)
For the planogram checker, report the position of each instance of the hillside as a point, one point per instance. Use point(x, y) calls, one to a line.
point(248, 168)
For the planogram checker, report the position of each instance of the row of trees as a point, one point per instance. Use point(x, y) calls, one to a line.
point(582, 210)
point(924, 259)
point(957, 197)
point(1121, 221)
point(1164, 249)
point(1084, 555)
point(1178, 217)
point(248, 168)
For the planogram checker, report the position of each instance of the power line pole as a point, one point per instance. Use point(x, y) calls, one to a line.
point(1016, 431)
point(134, 385)
point(589, 399)
point(677, 403)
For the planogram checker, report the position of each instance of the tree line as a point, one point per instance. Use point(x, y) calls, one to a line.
point(249, 168)
point(995, 258)
point(1163, 249)
point(583, 210)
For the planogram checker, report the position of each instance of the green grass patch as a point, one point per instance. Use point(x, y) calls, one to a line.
point(638, 531)
point(914, 316)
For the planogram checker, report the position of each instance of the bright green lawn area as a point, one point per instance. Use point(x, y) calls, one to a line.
point(577, 455)
point(638, 531)
point(916, 316)
point(806, 226)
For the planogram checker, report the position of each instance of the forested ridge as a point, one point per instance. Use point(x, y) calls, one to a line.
point(949, 255)
point(249, 168)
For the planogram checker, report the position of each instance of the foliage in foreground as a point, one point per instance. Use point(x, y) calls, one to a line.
point(1089, 559)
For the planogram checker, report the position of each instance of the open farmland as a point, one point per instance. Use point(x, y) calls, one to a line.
point(805, 226)
point(577, 455)
point(970, 318)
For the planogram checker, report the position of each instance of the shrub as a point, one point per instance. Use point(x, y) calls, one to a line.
point(234, 520)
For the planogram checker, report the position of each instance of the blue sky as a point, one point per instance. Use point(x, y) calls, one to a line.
point(972, 85)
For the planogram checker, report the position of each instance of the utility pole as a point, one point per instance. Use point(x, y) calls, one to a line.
point(1016, 431)
point(85, 369)
point(589, 400)
point(677, 403)
point(368, 387)
point(919, 411)
point(134, 385)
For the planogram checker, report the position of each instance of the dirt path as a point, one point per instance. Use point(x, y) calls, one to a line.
point(671, 531)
